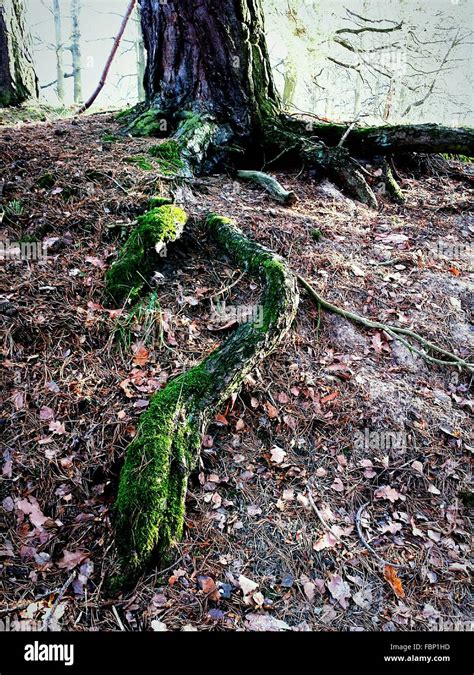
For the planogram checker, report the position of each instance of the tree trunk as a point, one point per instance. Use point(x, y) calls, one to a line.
point(18, 81)
point(59, 48)
point(140, 54)
point(387, 140)
point(209, 57)
point(76, 50)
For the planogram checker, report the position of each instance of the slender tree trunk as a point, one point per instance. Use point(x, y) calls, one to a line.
point(18, 81)
point(291, 79)
point(59, 50)
point(76, 50)
point(141, 59)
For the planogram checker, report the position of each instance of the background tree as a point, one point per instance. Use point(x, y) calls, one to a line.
point(59, 48)
point(75, 49)
point(18, 81)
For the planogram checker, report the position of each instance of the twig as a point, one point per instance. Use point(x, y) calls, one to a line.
point(62, 590)
point(366, 543)
point(394, 331)
point(24, 605)
point(319, 514)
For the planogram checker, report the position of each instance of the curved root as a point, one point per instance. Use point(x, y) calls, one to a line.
point(150, 506)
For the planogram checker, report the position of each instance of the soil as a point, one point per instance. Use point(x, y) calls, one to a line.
point(337, 418)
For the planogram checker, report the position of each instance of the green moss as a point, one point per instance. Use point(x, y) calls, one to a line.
point(316, 234)
point(109, 138)
point(150, 505)
point(127, 276)
point(124, 113)
point(140, 161)
point(168, 155)
point(150, 123)
point(155, 202)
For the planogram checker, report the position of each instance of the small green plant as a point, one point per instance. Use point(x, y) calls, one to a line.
point(316, 234)
point(14, 208)
point(140, 161)
point(143, 321)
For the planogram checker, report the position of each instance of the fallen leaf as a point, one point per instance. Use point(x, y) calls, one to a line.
point(393, 579)
point(271, 410)
point(389, 493)
point(46, 413)
point(70, 559)
point(363, 598)
point(277, 454)
point(208, 585)
point(339, 590)
point(330, 397)
point(338, 485)
point(265, 622)
point(32, 509)
point(141, 356)
point(247, 586)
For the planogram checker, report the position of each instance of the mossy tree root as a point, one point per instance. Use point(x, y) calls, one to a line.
point(281, 137)
point(391, 185)
point(150, 506)
point(271, 185)
point(156, 228)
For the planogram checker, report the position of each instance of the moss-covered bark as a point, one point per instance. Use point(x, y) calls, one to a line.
point(129, 273)
point(150, 504)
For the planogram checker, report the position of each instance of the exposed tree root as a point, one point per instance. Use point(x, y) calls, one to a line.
point(156, 228)
point(271, 185)
point(336, 161)
point(391, 185)
point(394, 331)
point(150, 504)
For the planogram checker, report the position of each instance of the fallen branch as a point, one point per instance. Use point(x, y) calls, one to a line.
point(115, 47)
point(49, 615)
point(271, 185)
point(394, 331)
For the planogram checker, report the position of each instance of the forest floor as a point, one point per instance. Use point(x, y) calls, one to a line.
point(336, 418)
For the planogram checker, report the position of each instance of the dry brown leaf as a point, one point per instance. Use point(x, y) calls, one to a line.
point(141, 356)
point(390, 574)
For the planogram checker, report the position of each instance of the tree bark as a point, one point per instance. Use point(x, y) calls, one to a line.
point(140, 54)
point(59, 50)
point(18, 81)
point(76, 50)
point(209, 57)
point(386, 140)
